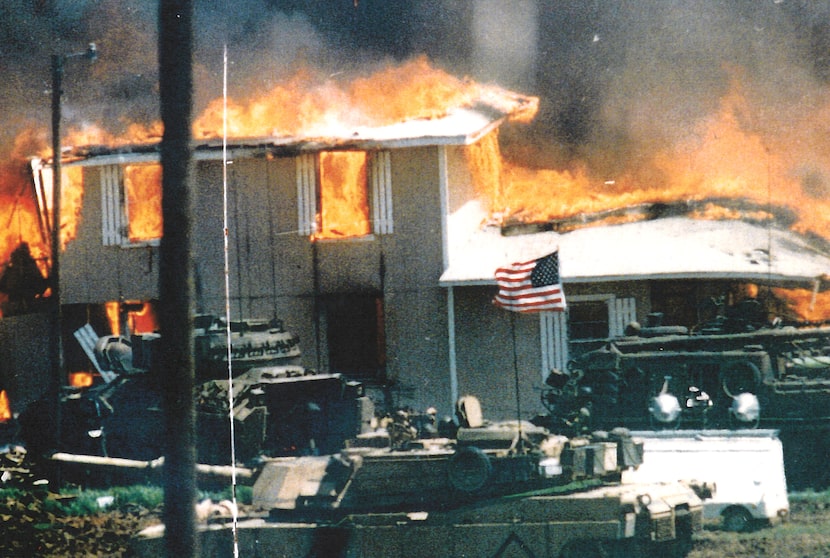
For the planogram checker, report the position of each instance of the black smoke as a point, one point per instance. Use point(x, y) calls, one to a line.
point(615, 78)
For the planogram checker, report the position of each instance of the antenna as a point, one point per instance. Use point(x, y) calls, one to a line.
point(228, 335)
point(769, 228)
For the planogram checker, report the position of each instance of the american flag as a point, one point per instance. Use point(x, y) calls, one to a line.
point(531, 286)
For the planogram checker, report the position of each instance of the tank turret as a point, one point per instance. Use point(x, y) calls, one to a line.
point(280, 407)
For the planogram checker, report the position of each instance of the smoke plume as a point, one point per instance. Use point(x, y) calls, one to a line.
point(618, 81)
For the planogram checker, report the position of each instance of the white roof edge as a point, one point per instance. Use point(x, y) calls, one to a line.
point(461, 127)
point(212, 152)
point(669, 248)
point(762, 278)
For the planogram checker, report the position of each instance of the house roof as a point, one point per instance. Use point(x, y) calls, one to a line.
point(459, 126)
point(667, 248)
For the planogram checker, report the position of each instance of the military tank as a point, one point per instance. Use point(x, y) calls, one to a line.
point(280, 407)
point(733, 373)
point(494, 489)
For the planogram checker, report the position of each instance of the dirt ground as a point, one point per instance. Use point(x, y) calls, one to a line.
point(31, 530)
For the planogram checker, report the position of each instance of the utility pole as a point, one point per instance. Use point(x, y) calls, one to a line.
point(56, 345)
point(176, 369)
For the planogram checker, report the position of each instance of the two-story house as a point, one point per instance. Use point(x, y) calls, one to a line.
point(374, 247)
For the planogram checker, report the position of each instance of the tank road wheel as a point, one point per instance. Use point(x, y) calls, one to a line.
point(469, 469)
point(740, 377)
point(736, 519)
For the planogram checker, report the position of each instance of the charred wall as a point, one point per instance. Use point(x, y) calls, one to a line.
point(24, 358)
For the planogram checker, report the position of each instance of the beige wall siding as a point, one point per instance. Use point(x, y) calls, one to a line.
point(92, 272)
point(416, 331)
point(485, 348)
point(275, 271)
point(459, 177)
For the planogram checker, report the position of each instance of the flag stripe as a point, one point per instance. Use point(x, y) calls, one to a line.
point(517, 292)
point(552, 294)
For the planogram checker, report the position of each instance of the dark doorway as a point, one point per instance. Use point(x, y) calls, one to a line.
point(356, 336)
point(676, 300)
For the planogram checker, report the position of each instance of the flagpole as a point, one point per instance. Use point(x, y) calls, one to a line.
point(520, 444)
point(528, 286)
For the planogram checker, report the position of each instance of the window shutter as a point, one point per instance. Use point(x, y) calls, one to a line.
point(113, 226)
point(306, 195)
point(623, 312)
point(381, 184)
point(554, 335)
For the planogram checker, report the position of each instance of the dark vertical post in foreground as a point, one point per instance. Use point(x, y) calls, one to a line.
point(56, 344)
point(176, 371)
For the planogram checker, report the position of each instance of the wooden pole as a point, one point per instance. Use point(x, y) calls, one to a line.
point(176, 368)
point(520, 443)
point(58, 379)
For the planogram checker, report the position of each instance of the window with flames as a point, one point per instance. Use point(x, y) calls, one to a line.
point(344, 194)
point(131, 204)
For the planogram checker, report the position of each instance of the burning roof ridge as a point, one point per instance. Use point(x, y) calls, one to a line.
point(779, 216)
point(493, 104)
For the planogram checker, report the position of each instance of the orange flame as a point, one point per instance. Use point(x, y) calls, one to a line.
point(313, 105)
point(143, 186)
point(741, 151)
point(805, 304)
point(81, 379)
point(112, 310)
point(725, 157)
point(18, 210)
point(72, 196)
point(140, 320)
point(143, 320)
point(5, 408)
point(343, 195)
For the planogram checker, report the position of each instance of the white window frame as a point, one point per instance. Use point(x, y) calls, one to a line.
point(115, 211)
point(380, 193)
point(307, 194)
point(553, 328)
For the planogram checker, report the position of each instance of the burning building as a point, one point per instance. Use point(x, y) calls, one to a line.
point(667, 180)
point(376, 238)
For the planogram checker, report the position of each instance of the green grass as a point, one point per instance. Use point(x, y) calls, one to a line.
point(810, 497)
point(81, 502)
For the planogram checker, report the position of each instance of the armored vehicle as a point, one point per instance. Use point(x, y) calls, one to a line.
point(500, 489)
point(280, 407)
point(724, 376)
point(743, 469)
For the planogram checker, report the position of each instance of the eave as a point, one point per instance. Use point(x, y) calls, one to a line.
point(658, 249)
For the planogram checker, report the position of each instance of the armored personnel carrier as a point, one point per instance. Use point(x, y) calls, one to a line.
point(730, 374)
point(280, 407)
point(500, 489)
point(663, 377)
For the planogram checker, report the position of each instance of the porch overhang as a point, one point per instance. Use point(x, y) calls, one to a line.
point(668, 248)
